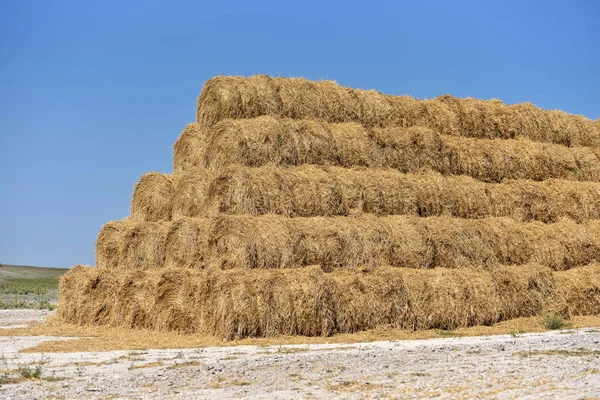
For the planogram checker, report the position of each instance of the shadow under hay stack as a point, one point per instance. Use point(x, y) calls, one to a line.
point(309, 208)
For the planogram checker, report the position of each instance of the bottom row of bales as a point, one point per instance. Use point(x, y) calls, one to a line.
point(306, 301)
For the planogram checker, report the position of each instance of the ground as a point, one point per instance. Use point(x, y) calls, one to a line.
point(554, 364)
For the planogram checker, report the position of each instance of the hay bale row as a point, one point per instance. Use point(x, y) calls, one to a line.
point(287, 142)
point(270, 241)
point(310, 191)
point(238, 97)
point(238, 304)
point(189, 146)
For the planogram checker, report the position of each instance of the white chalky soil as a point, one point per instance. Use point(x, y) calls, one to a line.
point(558, 364)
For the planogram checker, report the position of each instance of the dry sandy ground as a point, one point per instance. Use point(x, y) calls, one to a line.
point(558, 364)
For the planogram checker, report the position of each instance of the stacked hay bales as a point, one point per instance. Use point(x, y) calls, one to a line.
point(308, 208)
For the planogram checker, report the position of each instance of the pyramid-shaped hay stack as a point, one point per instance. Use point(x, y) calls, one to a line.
point(308, 208)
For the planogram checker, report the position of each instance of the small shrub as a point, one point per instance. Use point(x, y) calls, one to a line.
point(5, 379)
point(517, 333)
point(28, 373)
point(554, 321)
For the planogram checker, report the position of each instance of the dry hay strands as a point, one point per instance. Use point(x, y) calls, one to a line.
point(162, 197)
point(310, 191)
point(402, 241)
point(142, 245)
point(152, 198)
point(130, 244)
point(189, 147)
point(281, 141)
point(237, 97)
point(187, 242)
point(272, 241)
point(495, 160)
point(286, 142)
point(92, 296)
point(307, 301)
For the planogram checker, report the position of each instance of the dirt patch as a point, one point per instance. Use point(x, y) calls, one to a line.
point(563, 364)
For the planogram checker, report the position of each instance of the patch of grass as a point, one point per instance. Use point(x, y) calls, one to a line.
point(27, 373)
point(290, 350)
point(448, 333)
point(137, 353)
point(517, 333)
point(228, 358)
point(554, 321)
point(353, 386)
point(84, 364)
point(5, 379)
point(185, 364)
point(222, 382)
point(24, 286)
point(236, 382)
point(36, 305)
point(575, 353)
point(54, 378)
point(148, 365)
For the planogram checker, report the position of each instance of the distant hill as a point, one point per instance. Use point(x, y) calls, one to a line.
point(29, 272)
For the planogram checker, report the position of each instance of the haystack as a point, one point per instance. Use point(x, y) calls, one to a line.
point(307, 208)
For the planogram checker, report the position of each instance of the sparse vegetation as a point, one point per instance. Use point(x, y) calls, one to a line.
point(23, 287)
point(554, 321)
point(572, 353)
point(147, 365)
point(186, 364)
point(517, 333)
point(27, 373)
point(448, 333)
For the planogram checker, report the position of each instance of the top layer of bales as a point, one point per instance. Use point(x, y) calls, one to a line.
point(238, 97)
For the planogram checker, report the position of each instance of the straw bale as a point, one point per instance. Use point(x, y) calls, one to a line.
point(237, 97)
point(130, 244)
point(186, 242)
point(144, 245)
point(109, 244)
point(189, 147)
point(580, 291)
point(307, 301)
point(190, 191)
point(526, 291)
point(152, 198)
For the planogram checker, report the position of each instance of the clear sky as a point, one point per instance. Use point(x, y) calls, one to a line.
point(94, 94)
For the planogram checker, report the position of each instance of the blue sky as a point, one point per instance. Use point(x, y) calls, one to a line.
point(92, 96)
